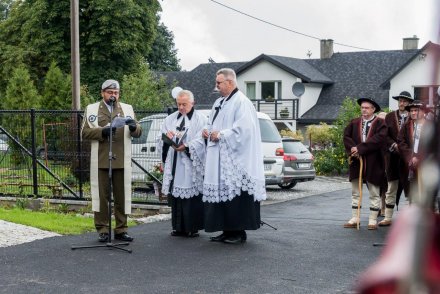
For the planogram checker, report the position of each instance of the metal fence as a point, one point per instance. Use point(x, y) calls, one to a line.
point(41, 155)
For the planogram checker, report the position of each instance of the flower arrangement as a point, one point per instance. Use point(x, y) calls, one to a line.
point(284, 112)
point(157, 172)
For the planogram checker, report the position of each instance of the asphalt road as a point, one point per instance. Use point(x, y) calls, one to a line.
point(310, 252)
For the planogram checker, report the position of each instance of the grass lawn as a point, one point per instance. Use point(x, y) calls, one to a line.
point(64, 224)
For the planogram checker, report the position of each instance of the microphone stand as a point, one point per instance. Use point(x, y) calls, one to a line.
point(109, 244)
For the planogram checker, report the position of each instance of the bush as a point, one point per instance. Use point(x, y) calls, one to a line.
point(334, 160)
point(320, 136)
point(330, 162)
point(295, 135)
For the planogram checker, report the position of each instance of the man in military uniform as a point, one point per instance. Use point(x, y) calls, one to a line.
point(396, 169)
point(98, 129)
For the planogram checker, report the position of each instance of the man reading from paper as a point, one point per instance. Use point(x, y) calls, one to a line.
point(183, 172)
point(96, 128)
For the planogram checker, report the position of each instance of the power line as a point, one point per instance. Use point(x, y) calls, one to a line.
point(284, 28)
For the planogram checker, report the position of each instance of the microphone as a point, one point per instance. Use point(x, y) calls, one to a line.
point(112, 99)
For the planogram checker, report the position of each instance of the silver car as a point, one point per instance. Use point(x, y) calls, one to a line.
point(298, 163)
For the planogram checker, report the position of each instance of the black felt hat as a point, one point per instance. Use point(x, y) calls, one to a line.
point(405, 95)
point(376, 106)
point(417, 104)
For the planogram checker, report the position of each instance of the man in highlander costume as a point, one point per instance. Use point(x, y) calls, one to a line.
point(364, 139)
point(183, 172)
point(234, 182)
point(396, 168)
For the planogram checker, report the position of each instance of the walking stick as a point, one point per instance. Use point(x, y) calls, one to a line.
point(360, 192)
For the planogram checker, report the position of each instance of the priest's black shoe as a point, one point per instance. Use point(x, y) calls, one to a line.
point(124, 237)
point(193, 234)
point(178, 234)
point(103, 237)
point(236, 239)
point(218, 238)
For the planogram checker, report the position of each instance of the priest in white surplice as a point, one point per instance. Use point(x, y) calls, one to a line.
point(184, 165)
point(234, 182)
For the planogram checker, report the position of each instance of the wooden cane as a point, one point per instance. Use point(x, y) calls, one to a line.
point(360, 192)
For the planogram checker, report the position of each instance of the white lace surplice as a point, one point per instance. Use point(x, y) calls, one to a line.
point(189, 171)
point(235, 163)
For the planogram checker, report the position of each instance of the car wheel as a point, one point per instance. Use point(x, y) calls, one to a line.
point(287, 185)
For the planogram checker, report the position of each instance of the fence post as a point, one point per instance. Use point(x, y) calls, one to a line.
point(34, 151)
point(77, 123)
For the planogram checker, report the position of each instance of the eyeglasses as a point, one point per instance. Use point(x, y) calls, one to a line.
point(112, 92)
point(219, 82)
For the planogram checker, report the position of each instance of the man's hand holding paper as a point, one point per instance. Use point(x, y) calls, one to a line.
point(119, 122)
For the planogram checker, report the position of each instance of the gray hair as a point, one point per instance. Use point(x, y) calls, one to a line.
point(186, 93)
point(229, 74)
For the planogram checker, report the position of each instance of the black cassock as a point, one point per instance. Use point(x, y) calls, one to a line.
point(186, 214)
point(239, 214)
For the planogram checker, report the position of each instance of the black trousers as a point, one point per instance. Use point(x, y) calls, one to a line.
point(241, 213)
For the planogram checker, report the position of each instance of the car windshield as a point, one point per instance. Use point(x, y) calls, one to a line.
point(145, 125)
point(294, 147)
point(269, 132)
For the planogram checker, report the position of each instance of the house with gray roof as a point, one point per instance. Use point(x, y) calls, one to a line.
point(268, 80)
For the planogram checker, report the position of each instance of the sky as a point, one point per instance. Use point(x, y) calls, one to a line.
point(205, 29)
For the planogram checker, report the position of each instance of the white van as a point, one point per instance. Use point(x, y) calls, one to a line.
point(145, 153)
point(143, 149)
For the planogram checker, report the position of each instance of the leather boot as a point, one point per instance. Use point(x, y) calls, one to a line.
point(388, 217)
point(372, 220)
point(352, 223)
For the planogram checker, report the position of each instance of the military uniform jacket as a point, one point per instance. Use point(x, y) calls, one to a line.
point(96, 117)
point(394, 164)
point(370, 150)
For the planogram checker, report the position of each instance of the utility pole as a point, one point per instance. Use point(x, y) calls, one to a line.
point(74, 42)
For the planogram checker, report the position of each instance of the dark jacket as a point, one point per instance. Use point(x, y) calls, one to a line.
point(370, 150)
point(395, 167)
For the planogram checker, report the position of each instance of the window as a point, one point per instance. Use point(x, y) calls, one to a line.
point(271, 90)
point(268, 131)
point(427, 94)
point(146, 125)
point(251, 90)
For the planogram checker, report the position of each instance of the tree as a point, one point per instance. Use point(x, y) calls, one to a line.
point(4, 8)
point(145, 91)
point(163, 55)
point(57, 94)
point(20, 94)
point(115, 37)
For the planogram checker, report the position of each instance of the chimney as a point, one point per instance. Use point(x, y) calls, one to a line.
point(326, 48)
point(411, 43)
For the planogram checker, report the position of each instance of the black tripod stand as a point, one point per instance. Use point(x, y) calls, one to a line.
point(264, 223)
point(109, 243)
